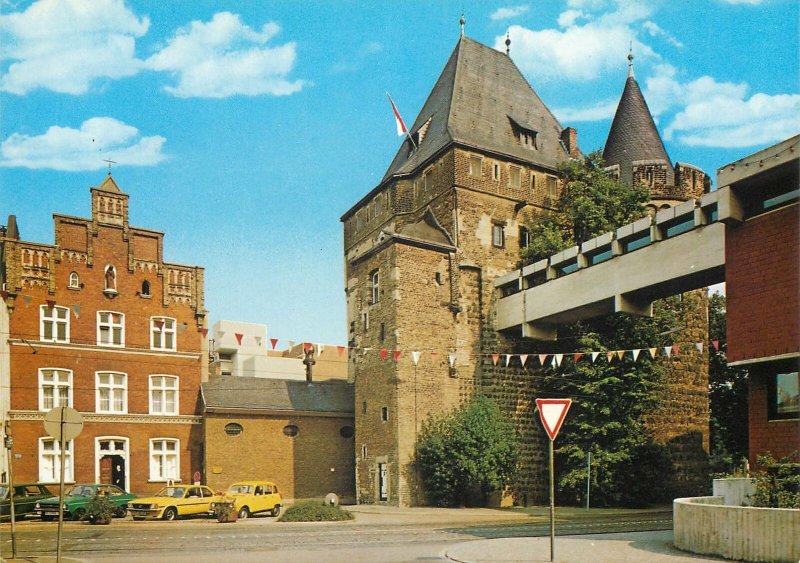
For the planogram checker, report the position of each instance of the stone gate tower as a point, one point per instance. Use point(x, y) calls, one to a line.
point(422, 249)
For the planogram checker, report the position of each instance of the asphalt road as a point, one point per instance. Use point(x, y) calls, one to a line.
point(369, 538)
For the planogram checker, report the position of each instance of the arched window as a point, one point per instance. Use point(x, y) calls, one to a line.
point(74, 281)
point(146, 288)
point(233, 429)
point(291, 430)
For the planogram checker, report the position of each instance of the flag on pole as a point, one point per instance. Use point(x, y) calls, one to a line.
point(401, 126)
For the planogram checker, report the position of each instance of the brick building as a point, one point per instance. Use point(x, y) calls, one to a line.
point(100, 322)
point(421, 251)
point(762, 274)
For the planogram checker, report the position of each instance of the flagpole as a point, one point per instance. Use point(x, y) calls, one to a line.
point(397, 112)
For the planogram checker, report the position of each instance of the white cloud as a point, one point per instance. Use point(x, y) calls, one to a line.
point(65, 45)
point(356, 61)
point(579, 52)
point(597, 112)
point(98, 138)
point(225, 57)
point(655, 31)
point(507, 13)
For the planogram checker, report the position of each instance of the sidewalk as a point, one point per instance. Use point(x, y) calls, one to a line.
point(598, 548)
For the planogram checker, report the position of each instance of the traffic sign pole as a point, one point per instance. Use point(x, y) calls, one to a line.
point(552, 506)
point(61, 490)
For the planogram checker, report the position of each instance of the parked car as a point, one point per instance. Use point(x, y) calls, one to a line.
point(252, 497)
point(76, 499)
point(171, 502)
point(26, 495)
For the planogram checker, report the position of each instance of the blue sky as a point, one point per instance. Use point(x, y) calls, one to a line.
point(243, 130)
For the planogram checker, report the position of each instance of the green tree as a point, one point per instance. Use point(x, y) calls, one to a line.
point(591, 203)
point(727, 394)
point(468, 452)
point(609, 398)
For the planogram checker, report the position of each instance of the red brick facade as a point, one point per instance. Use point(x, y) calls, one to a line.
point(155, 326)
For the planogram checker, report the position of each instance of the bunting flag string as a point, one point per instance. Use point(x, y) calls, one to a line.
point(274, 342)
point(239, 337)
point(495, 358)
point(635, 353)
point(653, 352)
point(543, 358)
point(594, 356)
point(523, 358)
point(451, 357)
point(715, 343)
point(396, 355)
point(508, 359)
point(699, 346)
point(383, 353)
point(204, 332)
point(415, 355)
point(668, 351)
point(339, 349)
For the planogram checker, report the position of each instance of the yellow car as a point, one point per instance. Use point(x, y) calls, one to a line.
point(171, 502)
point(252, 497)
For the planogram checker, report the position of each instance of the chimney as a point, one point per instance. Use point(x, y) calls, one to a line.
point(12, 231)
point(569, 136)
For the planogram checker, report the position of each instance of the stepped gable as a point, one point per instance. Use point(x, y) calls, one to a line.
point(477, 100)
point(633, 136)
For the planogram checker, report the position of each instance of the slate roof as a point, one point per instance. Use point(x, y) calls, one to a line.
point(633, 135)
point(231, 392)
point(478, 94)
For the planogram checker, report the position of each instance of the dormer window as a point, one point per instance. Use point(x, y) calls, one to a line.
point(528, 139)
point(524, 134)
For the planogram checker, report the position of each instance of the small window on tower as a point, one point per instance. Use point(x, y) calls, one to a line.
point(145, 288)
point(475, 165)
point(74, 281)
point(515, 176)
point(524, 237)
point(495, 172)
point(552, 186)
point(498, 235)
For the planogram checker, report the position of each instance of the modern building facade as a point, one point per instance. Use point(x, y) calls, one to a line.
point(100, 322)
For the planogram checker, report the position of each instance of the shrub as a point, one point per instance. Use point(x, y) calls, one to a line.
point(778, 484)
point(315, 511)
point(99, 509)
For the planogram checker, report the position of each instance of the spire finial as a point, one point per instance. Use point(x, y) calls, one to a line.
point(462, 21)
point(508, 44)
point(630, 60)
point(109, 162)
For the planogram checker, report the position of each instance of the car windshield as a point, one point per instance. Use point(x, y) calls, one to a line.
point(80, 491)
point(240, 489)
point(174, 492)
point(3, 490)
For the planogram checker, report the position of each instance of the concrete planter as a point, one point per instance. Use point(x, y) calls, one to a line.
point(705, 525)
point(735, 490)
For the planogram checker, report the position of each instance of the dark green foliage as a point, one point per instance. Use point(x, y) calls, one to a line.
point(778, 483)
point(467, 454)
point(727, 390)
point(591, 203)
point(315, 511)
point(100, 509)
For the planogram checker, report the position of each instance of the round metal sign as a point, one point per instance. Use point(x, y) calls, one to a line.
point(72, 423)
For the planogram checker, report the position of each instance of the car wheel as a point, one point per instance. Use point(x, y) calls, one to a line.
point(121, 512)
point(276, 511)
point(170, 514)
point(79, 514)
point(47, 518)
point(244, 512)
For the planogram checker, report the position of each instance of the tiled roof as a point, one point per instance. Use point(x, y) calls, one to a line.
point(228, 392)
point(633, 135)
point(473, 102)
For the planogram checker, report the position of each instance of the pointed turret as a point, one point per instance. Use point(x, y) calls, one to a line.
point(633, 137)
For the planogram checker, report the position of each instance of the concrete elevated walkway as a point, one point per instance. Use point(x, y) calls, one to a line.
point(680, 249)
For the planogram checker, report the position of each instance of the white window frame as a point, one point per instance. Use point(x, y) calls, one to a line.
point(114, 389)
point(162, 390)
point(375, 285)
point(56, 321)
point(110, 326)
point(159, 472)
point(50, 461)
point(74, 280)
point(55, 383)
point(163, 331)
point(498, 241)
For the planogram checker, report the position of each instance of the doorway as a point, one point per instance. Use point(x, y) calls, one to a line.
point(111, 467)
point(383, 482)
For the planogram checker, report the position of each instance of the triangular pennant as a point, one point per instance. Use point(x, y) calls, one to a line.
point(594, 356)
point(621, 354)
point(715, 343)
point(676, 351)
point(396, 355)
point(522, 359)
point(307, 347)
point(365, 350)
point(508, 359)
point(557, 359)
point(495, 358)
point(699, 346)
point(273, 342)
point(204, 332)
point(384, 353)
point(51, 303)
point(239, 337)
point(610, 355)
point(451, 357)
point(76, 310)
point(542, 358)
point(577, 356)
point(340, 350)
point(291, 344)
point(415, 356)
point(160, 324)
point(653, 352)
point(668, 351)
point(635, 353)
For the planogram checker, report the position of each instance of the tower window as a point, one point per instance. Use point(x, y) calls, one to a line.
point(375, 281)
point(515, 176)
point(498, 235)
point(74, 281)
point(384, 414)
point(145, 288)
point(495, 172)
point(524, 237)
point(552, 186)
point(475, 165)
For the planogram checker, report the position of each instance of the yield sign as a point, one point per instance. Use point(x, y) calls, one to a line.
point(552, 413)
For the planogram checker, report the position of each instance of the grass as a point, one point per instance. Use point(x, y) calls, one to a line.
point(314, 511)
